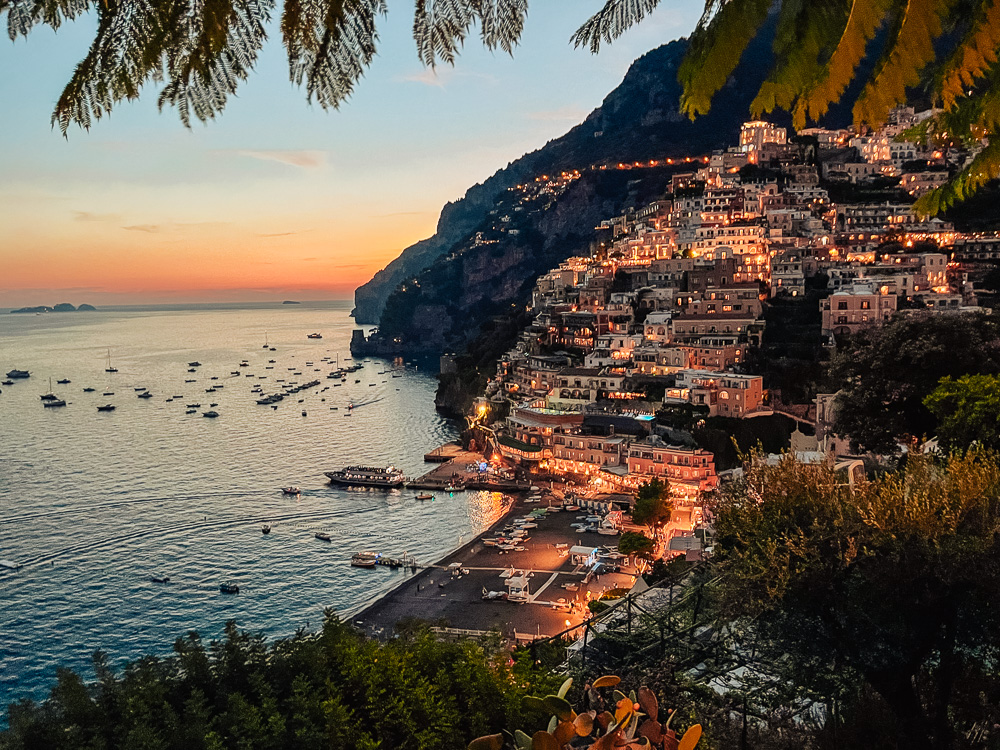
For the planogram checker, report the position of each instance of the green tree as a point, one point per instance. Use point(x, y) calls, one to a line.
point(332, 689)
point(202, 52)
point(896, 581)
point(653, 503)
point(634, 543)
point(967, 410)
point(886, 371)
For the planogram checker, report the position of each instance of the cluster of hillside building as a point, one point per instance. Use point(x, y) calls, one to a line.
point(664, 309)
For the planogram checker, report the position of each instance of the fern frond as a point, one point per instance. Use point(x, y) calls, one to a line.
point(910, 52)
point(983, 168)
point(864, 19)
point(330, 45)
point(805, 31)
point(611, 21)
point(23, 15)
point(716, 48)
point(973, 57)
point(502, 23)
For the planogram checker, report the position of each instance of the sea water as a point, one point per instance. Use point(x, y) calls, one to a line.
point(94, 505)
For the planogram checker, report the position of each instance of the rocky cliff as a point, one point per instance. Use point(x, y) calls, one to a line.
point(638, 121)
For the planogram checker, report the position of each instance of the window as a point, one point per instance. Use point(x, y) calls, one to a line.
point(842, 305)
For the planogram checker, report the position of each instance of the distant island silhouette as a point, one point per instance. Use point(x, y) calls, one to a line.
point(61, 307)
point(291, 302)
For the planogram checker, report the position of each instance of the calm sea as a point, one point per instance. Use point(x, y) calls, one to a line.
point(95, 504)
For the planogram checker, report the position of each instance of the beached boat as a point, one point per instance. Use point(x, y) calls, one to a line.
point(367, 476)
point(323, 536)
point(229, 588)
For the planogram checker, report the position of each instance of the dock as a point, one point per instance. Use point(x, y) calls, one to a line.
point(453, 469)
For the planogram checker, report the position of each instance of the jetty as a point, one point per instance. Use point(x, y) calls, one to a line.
point(460, 469)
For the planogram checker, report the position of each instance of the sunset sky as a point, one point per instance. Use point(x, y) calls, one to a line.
point(277, 198)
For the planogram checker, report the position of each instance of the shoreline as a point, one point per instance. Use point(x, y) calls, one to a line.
point(424, 571)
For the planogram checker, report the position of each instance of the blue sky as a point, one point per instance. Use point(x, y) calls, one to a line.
point(278, 196)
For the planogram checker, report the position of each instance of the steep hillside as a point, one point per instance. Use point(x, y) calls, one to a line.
point(639, 120)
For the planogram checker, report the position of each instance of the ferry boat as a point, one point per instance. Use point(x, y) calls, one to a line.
point(367, 476)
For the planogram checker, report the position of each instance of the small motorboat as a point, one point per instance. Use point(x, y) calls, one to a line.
point(454, 488)
point(194, 364)
point(265, 529)
point(229, 588)
point(106, 407)
point(425, 496)
point(159, 579)
point(194, 406)
point(57, 402)
point(191, 411)
point(64, 381)
point(323, 536)
point(304, 413)
point(314, 336)
point(364, 560)
point(291, 491)
point(8, 382)
point(89, 390)
point(210, 414)
point(145, 394)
